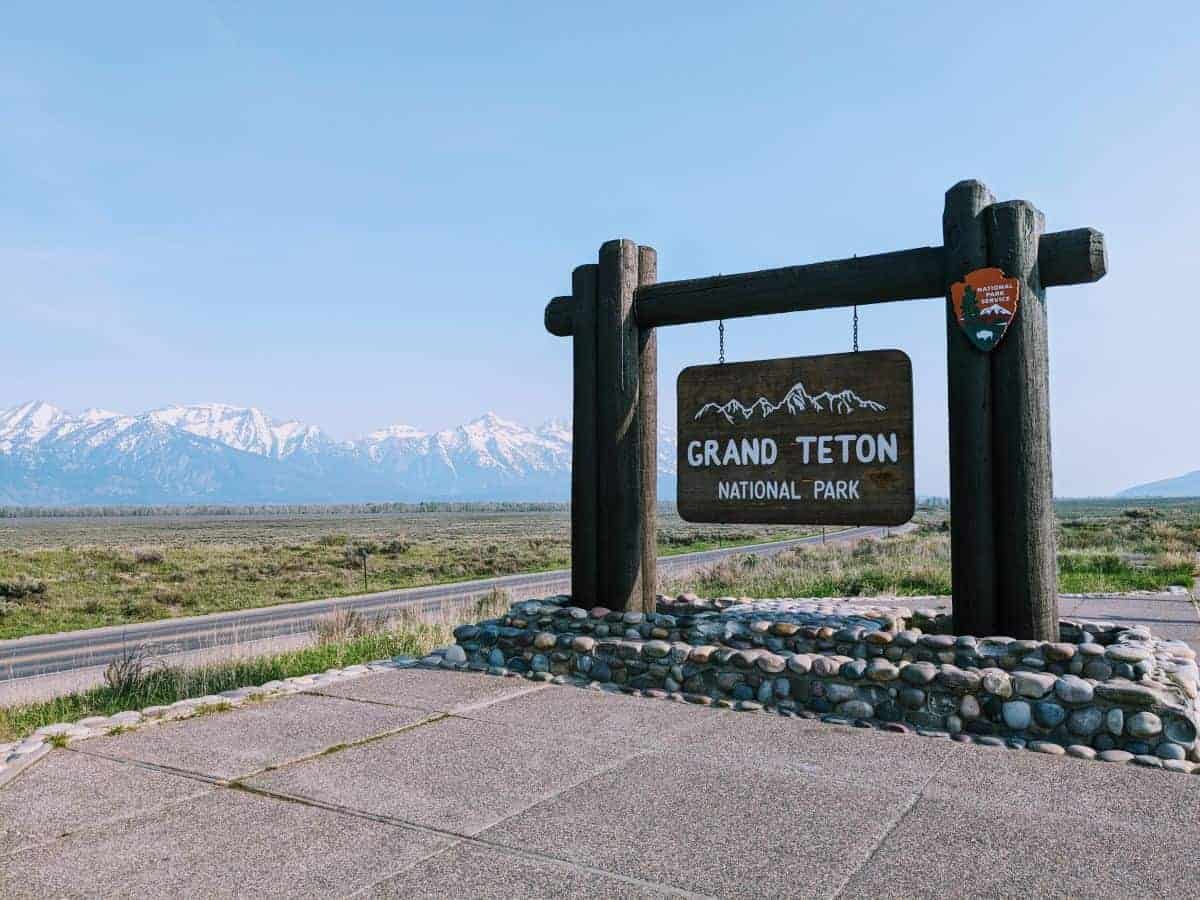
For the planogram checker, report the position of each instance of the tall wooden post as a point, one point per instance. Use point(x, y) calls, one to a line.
point(619, 443)
point(584, 491)
point(1026, 564)
point(972, 539)
point(648, 406)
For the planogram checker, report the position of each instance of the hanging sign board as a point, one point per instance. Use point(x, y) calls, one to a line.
point(814, 440)
point(985, 303)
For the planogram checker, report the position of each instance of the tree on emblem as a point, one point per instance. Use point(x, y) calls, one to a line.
point(970, 306)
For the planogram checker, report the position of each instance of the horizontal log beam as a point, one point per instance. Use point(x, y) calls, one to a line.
point(1065, 257)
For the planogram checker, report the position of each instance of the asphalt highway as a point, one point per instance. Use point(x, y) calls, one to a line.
point(67, 651)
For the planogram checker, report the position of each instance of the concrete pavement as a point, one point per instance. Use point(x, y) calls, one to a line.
point(428, 783)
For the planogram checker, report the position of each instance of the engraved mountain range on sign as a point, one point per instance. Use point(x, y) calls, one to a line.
point(795, 401)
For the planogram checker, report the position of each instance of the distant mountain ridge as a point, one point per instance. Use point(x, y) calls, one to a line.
point(217, 453)
point(1187, 485)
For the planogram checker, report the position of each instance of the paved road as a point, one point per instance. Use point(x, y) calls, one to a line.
point(64, 652)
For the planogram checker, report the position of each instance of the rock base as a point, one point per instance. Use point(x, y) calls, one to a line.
point(1110, 691)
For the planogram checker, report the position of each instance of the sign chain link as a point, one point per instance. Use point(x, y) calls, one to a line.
point(721, 342)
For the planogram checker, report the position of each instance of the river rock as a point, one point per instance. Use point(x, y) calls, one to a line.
point(1033, 684)
point(1073, 689)
point(1143, 725)
point(1016, 715)
point(1085, 721)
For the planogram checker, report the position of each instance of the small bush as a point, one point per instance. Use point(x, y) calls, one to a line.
point(332, 540)
point(21, 587)
point(147, 556)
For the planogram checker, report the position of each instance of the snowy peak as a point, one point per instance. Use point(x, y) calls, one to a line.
point(28, 423)
point(243, 428)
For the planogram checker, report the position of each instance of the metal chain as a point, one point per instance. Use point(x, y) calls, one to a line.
point(856, 328)
point(721, 341)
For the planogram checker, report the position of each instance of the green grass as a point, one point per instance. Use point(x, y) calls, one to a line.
point(1092, 572)
point(1104, 546)
point(161, 686)
point(907, 565)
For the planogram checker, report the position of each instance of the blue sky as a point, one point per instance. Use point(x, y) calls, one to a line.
point(354, 214)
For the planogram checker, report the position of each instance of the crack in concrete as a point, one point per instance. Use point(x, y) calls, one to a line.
point(871, 854)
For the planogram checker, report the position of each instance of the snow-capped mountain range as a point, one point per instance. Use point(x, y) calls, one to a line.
point(795, 401)
point(215, 453)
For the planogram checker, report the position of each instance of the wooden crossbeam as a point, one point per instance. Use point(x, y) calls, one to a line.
point(1064, 257)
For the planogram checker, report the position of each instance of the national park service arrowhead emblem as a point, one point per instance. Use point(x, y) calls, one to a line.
point(985, 303)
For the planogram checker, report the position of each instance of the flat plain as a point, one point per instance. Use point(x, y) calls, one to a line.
point(64, 573)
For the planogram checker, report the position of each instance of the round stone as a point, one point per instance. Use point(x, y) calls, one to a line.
point(1114, 720)
point(1073, 689)
point(748, 706)
point(1048, 715)
point(539, 663)
point(1181, 731)
point(1143, 725)
point(1126, 653)
point(919, 673)
point(1033, 684)
point(853, 669)
point(913, 698)
point(1046, 747)
point(997, 682)
point(1104, 742)
point(855, 709)
point(879, 669)
point(1058, 652)
point(1169, 750)
point(1085, 721)
point(633, 618)
point(838, 693)
point(1081, 751)
point(968, 707)
point(799, 663)
point(770, 663)
point(656, 649)
point(455, 654)
point(1145, 759)
point(496, 657)
point(1115, 756)
point(1097, 669)
point(1016, 715)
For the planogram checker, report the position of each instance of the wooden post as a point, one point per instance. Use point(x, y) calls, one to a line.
point(648, 407)
point(619, 428)
point(972, 539)
point(1026, 565)
point(584, 524)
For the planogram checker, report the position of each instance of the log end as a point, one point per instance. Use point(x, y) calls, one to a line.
point(558, 316)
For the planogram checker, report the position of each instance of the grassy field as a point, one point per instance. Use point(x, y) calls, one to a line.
point(68, 573)
point(1103, 546)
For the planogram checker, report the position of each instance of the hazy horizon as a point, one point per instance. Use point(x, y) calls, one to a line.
point(355, 220)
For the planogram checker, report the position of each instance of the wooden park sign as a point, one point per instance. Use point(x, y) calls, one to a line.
point(819, 440)
point(1004, 569)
